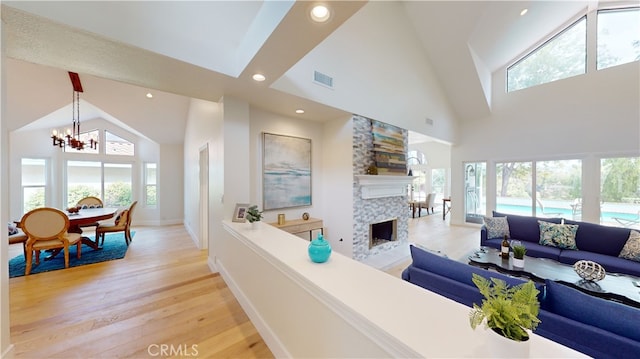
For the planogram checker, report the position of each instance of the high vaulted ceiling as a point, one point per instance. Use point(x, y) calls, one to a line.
point(209, 49)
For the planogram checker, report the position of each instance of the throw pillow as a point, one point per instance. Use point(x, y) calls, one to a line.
point(558, 235)
point(631, 249)
point(497, 227)
point(12, 229)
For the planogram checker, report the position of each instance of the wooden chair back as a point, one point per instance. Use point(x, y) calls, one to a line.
point(90, 202)
point(44, 223)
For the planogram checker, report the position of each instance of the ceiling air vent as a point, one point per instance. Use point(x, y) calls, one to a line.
point(322, 79)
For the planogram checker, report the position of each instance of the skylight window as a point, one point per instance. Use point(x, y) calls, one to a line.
point(618, 37)
point(563, 56)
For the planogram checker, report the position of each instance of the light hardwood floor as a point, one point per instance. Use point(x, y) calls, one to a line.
point(161, 293)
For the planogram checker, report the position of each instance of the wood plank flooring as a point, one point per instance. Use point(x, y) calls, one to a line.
point(161, 295)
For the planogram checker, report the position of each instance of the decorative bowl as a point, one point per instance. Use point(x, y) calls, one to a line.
point(589, 270)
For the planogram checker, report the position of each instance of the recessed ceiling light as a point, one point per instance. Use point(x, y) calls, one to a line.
point(149, 95)
point(259, 77)
point(299, 110)
point(524, 11)
point(320, 13)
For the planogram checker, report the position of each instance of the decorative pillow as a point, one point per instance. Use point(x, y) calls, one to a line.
point(12, 229)
point(631, 249)
point(558, 235)
point(497, 227)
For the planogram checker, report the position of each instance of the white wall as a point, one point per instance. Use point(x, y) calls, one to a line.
point(584, 117)
point(202, 127)
point(399, 64)
point(337, 176)
point(262, 121)
point(170, 185)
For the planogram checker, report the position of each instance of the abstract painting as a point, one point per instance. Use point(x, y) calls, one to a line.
point(286, 171)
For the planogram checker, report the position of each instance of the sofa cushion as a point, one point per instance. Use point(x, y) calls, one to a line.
point(600, 239)
point(558, 235)
point(497, 227)
point(601, 313)
point(631, 249)
point(524, 228)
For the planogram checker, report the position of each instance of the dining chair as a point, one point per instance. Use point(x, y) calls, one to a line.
point(46, 228)
point(122, 223)
point(90, 202)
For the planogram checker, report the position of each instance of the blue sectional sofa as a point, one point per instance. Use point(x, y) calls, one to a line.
point(595, 242)
point(591, 325)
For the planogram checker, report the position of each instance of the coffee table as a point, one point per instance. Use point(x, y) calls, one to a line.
point(614, 286)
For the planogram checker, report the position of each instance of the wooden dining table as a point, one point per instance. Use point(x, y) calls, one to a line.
point(81, 218)
point(87, 216)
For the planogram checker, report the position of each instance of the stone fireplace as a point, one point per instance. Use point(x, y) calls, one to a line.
point(376, 198)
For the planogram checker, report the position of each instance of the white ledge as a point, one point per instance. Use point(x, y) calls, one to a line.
point(380, 186)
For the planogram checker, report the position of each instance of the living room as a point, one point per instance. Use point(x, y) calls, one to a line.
point(588, 117)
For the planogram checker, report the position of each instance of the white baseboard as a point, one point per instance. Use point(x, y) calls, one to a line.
point(7, 354)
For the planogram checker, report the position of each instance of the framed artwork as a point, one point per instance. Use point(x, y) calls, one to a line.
point(389, 149)
point(240, 212)
point(286, 171)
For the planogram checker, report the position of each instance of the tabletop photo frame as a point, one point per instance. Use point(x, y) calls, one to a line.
point(239, 213)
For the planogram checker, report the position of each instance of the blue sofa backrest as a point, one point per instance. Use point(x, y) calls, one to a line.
point(450, 278)
point(618, 318)
point(525, 228)
point(601, 239)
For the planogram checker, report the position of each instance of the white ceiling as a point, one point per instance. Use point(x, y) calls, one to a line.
point(209, 49)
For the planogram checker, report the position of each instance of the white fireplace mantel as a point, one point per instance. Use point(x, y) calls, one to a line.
point(380, 186)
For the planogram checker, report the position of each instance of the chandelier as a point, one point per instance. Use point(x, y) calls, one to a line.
point(71, 136)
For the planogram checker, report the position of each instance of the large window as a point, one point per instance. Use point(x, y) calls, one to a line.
point(618, 37)
point(117, 184)
point(84, 178)
point(563, 56)
point(93, 178)
point(438, 180)
point(620, 192)
point(514, 181)
point(34, 183)
point(475, 193)
point(558, 188)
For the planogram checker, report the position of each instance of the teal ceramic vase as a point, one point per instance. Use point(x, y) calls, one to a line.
point(319, 250)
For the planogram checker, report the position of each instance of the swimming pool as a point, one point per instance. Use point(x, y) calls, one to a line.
point(606, 217)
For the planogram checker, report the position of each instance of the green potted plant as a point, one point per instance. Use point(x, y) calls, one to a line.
point(509, 311)
point(518, 255)
point(253, 214)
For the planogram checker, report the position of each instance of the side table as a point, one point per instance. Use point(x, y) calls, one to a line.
point(301, 226)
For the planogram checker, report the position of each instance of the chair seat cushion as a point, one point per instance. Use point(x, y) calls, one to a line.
point(55, 243)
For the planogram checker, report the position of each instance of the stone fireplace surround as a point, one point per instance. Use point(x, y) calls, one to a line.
point(375, 198)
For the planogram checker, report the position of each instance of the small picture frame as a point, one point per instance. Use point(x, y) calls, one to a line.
point(240, 212)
